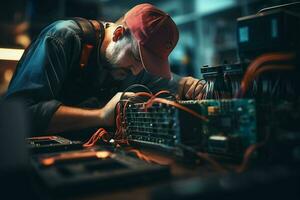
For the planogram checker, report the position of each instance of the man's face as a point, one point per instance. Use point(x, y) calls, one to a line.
point(121, 56)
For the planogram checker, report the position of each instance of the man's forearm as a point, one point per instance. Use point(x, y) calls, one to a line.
point(72, 118)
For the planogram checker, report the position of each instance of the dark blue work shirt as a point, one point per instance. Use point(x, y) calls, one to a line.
point(48, 75)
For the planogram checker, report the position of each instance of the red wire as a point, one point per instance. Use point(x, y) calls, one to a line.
point(249, 151)
point(120, 137)
point(252, 68)
point(212, 161)
point(177, 105)
point(95, 137)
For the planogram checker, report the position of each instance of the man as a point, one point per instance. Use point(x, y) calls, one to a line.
point(134, 49)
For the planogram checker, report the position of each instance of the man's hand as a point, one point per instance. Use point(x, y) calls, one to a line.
point(108, 111)
point(189, 88)
point(71, 118)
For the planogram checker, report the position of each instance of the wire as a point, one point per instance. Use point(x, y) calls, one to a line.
point(211, 161)
point(205, 157)
point(120, 117)
point(248, 77)
point(135, 86)
point(249, 151)
point(95, 137)
point(177, 105)
point(119, 136)
point(149, 102)
point(245, 84)
point(141, 156)
point(287, 5)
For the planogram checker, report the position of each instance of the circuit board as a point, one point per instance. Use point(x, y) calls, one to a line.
point(47, 144)
point(230, 127)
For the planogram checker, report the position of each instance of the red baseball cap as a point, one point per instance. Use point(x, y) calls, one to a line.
point(156, 34)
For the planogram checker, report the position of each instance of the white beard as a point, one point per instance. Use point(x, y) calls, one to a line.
point(115, 53)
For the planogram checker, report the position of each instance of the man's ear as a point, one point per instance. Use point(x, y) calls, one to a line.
point(118, 33)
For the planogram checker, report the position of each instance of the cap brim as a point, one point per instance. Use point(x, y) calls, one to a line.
point(154, 64)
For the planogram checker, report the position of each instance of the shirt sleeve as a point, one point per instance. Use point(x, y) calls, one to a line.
point(41, 71)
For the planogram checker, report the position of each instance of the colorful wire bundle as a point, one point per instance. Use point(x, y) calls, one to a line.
point(120, 136)
point(95, 137)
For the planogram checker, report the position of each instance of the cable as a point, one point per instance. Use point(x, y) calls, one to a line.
point(205, 157)
point(149, 102)
point(245, 84)
point(248, 77)
point(119, 136)
point(177, 105)
point(249, 151)
point(287, 5)
point(95, 137)
point(141, 156)
point(135, 86)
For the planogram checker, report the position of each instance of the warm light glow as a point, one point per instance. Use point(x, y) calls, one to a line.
point(8, 75)
point(103, 154)
point(48, 161)
point(11, 54)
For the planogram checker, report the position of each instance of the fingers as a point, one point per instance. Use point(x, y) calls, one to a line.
point(184, 84)
point(128, 94)
point(199, 91)
point(190, 88)
point(108, 111)
point(191, 91)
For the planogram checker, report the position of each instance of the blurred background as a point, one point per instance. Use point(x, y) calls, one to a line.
point(207, 27)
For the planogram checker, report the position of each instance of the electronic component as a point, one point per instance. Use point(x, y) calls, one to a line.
point(230, 129)
point(233, 74)
point(231, 125)
point(159, 126)
point(75, 172)
point(46, 144)
point(215, 87)
point(271, 31)
point(222, 81)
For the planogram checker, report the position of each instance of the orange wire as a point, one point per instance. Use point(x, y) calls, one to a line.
point(212, 161)
point(119, 135)
point(121, 127)
point(141, 156)
point(249, 151)
point(257, 63)
point(149, 102)
point(177, 105)
point(143, 94)
point(245, 84)
point(272, 67)
point(95, 137)
point(120, 138)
